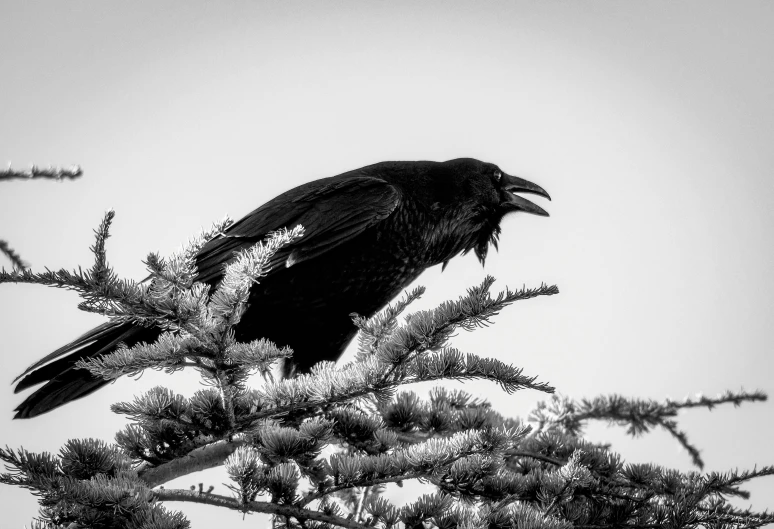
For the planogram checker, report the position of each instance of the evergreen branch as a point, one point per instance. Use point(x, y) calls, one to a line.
point(276, 509)
point(406, 354)
point(327, 385)
point(158, 404)
point(228, 301)
point(88, 481)
point(170, 301)
point(375, 329)
point(268, 439)
point(28, 469)
point(431, 329)
point(169, 353)
point(426, 507)
point(435, 456)
point(180, 268)
point(15, 259)
point(256, 355)
point(52, 173)
point(100, 271)
point(455, 365)
point(412, 420)
point(231, 363)
point(102, 291)
point(79, 281)
point(730, 514)
point(727, 483)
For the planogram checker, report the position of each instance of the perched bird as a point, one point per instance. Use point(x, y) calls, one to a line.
point(368, 234)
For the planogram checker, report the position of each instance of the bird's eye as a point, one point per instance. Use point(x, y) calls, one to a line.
point(498, 175)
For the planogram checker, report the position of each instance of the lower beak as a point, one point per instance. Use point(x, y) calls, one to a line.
point(513, 202)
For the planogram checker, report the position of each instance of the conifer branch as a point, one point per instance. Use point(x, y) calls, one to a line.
point(118, 292)
point(99, 286)
point(88, 481)
point(278, 509)
point(434, 456)
point(375, 329)
point(36, 172)
point(100, 271)
point(228, 300)
point(406, 355)
point(741, 517)
point(180, 268)
point(327, 386)
point(490, 471)
point(726, 483)
point(168, 353)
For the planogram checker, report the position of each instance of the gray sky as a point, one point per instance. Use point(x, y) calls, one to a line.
point(650, 123)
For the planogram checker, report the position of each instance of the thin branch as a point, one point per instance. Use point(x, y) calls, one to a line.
point(729, 397)
point(50, 172)
point(14, 257)
point(682, 438)
point(534, 455)
point(638, 415)
point(365, 377)
point(362, 483)
point(209, 456)
point(726, 484)
point(256, 506)
point(610, 526)
point(361, 503)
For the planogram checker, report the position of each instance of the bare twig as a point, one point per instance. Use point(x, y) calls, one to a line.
point(361, 483)
point(209, 456)
point(533, 455)
point(12, 255)
point(50, 172)
point(218, 500)
point(361, 503)
point(638, 415)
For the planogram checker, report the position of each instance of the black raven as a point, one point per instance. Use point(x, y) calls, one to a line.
point(369, 233)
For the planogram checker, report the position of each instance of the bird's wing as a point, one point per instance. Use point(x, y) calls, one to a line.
point(332, 211)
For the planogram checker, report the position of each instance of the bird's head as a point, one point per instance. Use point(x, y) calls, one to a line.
point(482, 194)
point(489, 186)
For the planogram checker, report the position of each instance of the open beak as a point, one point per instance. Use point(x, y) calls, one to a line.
point(513, 202)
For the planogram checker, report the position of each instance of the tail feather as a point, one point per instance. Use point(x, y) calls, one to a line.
point(45, 373)
point(91, 336)
point(65, 383)
point(72, 385)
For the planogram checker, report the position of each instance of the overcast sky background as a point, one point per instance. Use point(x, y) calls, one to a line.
point(650, 123)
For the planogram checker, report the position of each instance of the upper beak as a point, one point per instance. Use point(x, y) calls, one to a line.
point(514, 184)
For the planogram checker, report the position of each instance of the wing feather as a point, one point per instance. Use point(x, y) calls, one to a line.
point(332, 212)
